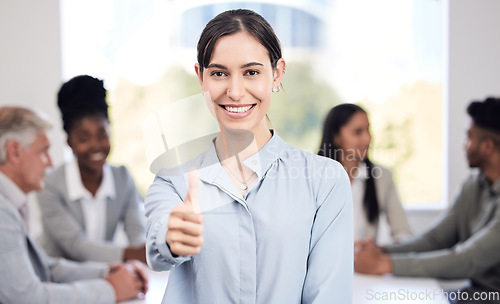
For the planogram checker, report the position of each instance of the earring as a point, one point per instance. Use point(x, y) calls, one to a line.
point(276, 89)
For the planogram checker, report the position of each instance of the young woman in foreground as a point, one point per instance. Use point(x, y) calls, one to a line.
point(259, 220)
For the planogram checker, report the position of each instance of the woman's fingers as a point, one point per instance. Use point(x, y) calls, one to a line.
point(184, 237)
point(191, 226)
point(185, 213)
point(183, 249)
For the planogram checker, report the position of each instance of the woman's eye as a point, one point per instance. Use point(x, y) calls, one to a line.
point(252, 72)
point(218, 74)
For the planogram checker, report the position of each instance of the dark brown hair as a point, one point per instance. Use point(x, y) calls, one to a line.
point(234, 21)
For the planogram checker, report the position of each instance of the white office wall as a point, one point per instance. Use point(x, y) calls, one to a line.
point(30, 68)
point(30, 60)
point(472, 48)
point(473, 72)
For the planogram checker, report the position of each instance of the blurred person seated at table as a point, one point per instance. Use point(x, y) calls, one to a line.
point(465, 242)
point(28, 274)
point(346, 139)
point(85, 200)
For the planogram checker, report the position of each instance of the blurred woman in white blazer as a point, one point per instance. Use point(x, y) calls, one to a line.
point(346, 138)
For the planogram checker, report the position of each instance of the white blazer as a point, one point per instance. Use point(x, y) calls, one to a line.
point(389, 206)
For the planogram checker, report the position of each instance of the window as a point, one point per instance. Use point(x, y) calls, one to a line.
point(385, 55)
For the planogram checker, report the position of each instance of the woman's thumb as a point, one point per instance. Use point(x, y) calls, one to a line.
point(193, 189)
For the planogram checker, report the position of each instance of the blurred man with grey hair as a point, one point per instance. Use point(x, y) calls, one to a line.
point(28, 274)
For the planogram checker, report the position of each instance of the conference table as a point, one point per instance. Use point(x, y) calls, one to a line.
point(157, 283)
point(367, 289)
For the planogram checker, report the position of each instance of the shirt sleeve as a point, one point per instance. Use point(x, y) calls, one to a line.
point(330, 263)
point(161, 198)
point(474, 256)
point(67, 233)
point(64, 271)
point(444, 234)
point(20, 284)
point(438, 252)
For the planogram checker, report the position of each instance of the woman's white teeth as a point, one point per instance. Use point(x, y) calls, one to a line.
point(97, 156)
point(237, 109)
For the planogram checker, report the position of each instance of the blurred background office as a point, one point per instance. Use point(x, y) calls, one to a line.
point(413, 64)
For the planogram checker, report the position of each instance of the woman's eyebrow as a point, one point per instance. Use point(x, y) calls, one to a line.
point(216, 65)
point(80, 132)
point(251, 64)
point(222, 67)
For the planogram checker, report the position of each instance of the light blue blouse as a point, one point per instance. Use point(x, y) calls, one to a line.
point(289, 240)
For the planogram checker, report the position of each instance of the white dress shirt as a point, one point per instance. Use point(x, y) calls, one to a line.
point(287, 240)
point(358, 186)
point(392, 220)
point(94, 207)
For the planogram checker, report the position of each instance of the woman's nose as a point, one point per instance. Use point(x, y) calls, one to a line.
point(367, 138)
point(235, 89)
point(95, 144)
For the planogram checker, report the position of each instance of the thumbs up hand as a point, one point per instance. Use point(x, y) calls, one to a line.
point(185, 229)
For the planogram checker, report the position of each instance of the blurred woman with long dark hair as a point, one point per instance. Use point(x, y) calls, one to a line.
point(346, 139)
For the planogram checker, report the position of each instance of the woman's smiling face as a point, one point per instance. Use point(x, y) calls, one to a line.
point(239, 81)
point(89, 140)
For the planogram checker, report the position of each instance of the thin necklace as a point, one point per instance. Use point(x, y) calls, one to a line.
point(244, 185)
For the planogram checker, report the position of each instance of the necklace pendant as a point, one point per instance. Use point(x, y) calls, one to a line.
point(243, 186)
